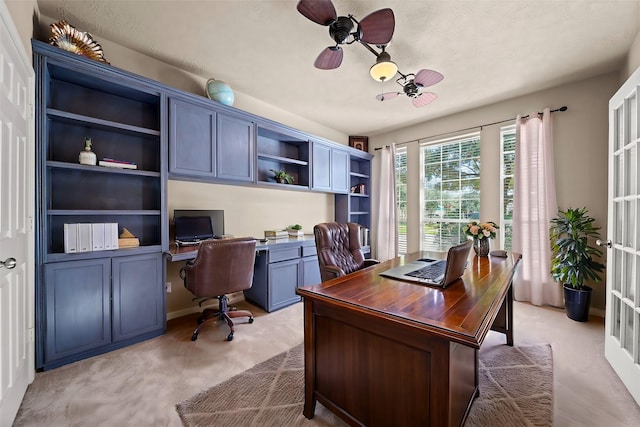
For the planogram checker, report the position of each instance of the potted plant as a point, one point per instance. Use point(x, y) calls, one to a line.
point(572, 259)
point(295, 230)
point(282, 177)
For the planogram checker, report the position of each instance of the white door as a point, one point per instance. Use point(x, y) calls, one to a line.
point(622, 322)
point(16, 217)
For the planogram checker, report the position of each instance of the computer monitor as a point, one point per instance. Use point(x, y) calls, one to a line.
point(217, 218)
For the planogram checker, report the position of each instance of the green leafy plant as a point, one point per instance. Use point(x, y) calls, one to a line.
point(295, 227)
point(572, 259)
point(282, 177)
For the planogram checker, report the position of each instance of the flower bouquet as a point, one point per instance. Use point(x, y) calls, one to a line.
point(481, 233)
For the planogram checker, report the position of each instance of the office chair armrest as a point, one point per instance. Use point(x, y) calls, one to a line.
point(333, 271)
point(370, 261)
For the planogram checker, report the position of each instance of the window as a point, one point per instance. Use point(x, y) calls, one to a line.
point(507, 164)
point(401, 199)
point(450, 190)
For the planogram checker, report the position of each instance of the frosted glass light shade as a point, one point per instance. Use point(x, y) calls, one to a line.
point(383, 71)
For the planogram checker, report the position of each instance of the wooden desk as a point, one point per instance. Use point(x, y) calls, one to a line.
point(382, 352)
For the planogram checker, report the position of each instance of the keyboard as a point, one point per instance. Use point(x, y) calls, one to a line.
point(432, 271)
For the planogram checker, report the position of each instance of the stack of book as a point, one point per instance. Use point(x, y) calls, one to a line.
point(364, 236)
point(113, 163)
point(128, 240)
point(276, 234)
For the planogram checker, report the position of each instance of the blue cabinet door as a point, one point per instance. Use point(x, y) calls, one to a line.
point(192, 133)
point(235, 145)
point(321, 167)
point(283, 282)
point(339, 171)
point(77, 296)
point(138, 295)
point(310, 271)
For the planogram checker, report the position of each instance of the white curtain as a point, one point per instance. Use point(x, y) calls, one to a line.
point(534, 200)
point(386, 228)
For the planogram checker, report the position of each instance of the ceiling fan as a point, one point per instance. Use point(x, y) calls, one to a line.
point(374, 29)
point(411, 86)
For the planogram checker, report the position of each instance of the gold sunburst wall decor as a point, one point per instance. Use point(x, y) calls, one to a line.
point(67, 37)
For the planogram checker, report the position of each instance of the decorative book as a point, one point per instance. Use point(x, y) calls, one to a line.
point(113, 163)
point(128, 240)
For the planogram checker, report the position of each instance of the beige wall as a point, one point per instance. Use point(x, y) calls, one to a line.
point(23, 14)
point(247, 212)
point(633, 58)
point(580, 140)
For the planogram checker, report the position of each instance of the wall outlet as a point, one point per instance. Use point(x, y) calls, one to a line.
point(168, 287)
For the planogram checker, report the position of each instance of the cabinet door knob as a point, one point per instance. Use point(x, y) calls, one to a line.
point(9, 263)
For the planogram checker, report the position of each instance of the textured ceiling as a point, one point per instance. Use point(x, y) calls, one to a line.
point(488, 50)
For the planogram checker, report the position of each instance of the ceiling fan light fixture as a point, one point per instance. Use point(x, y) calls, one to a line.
point(384, 69)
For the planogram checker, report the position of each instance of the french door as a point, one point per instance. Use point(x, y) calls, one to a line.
point(622, 321)
point(16, 216)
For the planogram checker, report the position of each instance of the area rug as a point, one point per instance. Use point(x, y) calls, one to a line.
point(515, 390)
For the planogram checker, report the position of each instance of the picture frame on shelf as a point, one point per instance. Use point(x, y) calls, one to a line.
point(359, 142)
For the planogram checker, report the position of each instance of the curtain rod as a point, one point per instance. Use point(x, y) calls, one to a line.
point(563, 108)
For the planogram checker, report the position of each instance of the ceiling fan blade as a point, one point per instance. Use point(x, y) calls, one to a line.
point(386, 96)
point(319, 11)
point(426, 78)
point(329, 58)
point(423, 99)
point(377, 27)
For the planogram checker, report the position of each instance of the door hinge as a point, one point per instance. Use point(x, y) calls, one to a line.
point(31, 112)
point(31, 337)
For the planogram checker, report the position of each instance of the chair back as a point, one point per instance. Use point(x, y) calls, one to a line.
point(338, 247)
point(221, 267)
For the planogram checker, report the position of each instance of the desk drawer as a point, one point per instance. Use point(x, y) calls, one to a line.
point(276, 255)
point(309, 251)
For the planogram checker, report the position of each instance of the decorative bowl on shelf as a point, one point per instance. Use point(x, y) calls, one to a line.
point(219, 91)
point(67, 37)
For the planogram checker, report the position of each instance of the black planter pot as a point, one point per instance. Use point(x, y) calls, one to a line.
point(577, 302)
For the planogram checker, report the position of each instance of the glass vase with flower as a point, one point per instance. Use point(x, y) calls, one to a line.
point(481, 232)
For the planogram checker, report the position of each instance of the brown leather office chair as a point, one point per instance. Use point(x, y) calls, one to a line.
point(221, 267)
point(339, 251)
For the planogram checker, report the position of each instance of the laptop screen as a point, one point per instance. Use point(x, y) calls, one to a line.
point(193, 228)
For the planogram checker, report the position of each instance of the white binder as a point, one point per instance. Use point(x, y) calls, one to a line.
point(97, 236)
point(70, 238)
point(111, 236)
point(84, 238)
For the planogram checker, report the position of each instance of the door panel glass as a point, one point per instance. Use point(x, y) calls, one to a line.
point(615, 317)
point(617, 137)
point(619, 174)
point(629, 223)
point(629, 276)
point(630, 171)
point(632, 123)
point(627, 333)
point(617, 269)
point(617, 232)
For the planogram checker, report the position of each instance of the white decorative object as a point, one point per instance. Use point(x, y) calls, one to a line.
point(87, 157)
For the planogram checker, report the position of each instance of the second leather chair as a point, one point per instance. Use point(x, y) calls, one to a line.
point(339, 250)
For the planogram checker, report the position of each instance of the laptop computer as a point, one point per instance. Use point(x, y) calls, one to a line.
point(434, 272)
point(191, 230)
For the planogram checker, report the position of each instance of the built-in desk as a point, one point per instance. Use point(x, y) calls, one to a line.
point(384, 352)
point(281, 266)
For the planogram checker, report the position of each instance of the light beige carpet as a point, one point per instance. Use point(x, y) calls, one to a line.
point(515, 390)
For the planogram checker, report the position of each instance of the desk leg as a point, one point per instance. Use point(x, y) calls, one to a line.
point(309, 362)
point(509, 302)
point(503, 322)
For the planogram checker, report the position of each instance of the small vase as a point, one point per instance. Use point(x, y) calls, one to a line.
point(481, 246)
point(87, 157)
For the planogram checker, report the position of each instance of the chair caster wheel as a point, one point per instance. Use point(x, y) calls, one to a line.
point(200, 320)
point(194, 337)
point(230, 337)
point(250, 319)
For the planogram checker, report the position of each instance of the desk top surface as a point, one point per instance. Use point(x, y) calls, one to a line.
point(462, 312)
point(182, 253)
